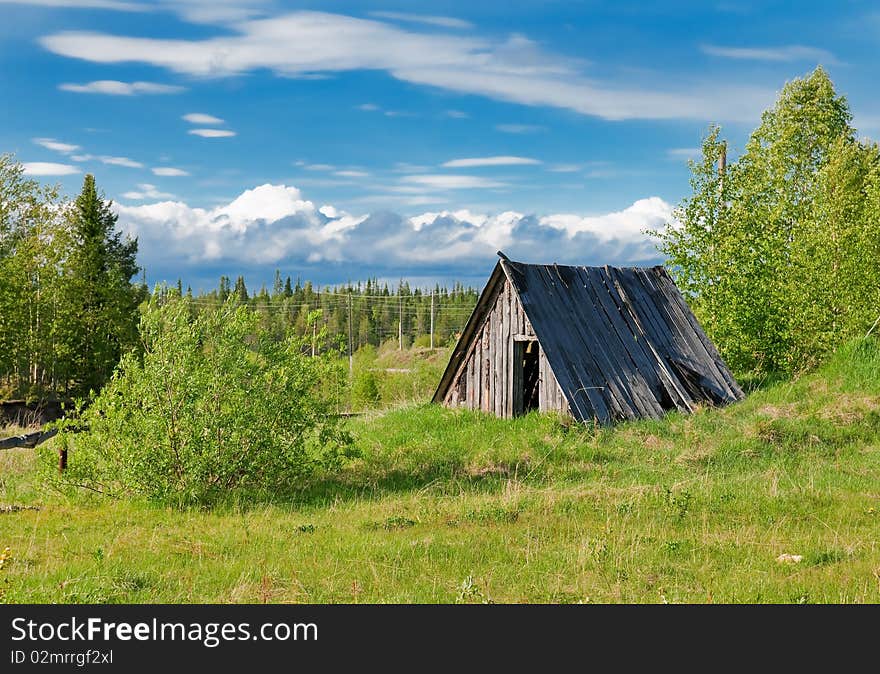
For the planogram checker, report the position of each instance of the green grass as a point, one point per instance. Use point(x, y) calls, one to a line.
point(449, 506)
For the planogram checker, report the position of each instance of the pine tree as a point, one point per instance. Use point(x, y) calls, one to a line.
point(240, 290)
point(102, 301)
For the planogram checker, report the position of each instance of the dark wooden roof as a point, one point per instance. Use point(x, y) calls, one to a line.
point(622, 342)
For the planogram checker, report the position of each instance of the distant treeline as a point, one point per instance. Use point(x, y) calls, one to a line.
point(71, 300)
point(369, 312)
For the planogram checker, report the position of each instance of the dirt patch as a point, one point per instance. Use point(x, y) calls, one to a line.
point(781, 411)
point(849, 409)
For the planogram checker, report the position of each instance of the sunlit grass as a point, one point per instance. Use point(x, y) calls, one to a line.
point(447, 506)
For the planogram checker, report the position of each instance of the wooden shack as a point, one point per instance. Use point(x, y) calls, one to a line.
point(599, 343)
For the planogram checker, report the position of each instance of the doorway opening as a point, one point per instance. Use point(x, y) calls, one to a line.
point(525, 376)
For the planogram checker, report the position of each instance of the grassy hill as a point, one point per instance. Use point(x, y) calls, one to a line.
point(451, 506)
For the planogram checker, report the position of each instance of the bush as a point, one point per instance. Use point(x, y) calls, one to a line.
point(212, 404)
point(365, 389)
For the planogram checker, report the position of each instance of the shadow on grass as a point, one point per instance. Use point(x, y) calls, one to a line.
point(354, 484)
point(759, 381)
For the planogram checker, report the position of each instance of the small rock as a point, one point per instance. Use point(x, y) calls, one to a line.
point(786, 558)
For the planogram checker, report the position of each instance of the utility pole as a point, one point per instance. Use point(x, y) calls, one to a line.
point(314, 335)
point(400, 321)
point(350, 354)
point(432, 319)
point(722, 167)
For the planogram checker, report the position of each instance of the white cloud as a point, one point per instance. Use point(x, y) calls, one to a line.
point(117, 88)
point(788, 53)
point(116, 5)
point(212, 133)
point(457, 114)
point(56, 146)
point(683, 152)
point(514, 70)
point(519, 128)
point(318, 167)
point(120, 161)
point(565, 168)
point(368, 107)
point(630, 223)
point(451, 182)
point(442, 21)
point(274, 223)
point(47, 168)
point(351, 174)
point(109, 160)
point(146, 191)
point(490, 161)
point(202, 118)
point(169, 171)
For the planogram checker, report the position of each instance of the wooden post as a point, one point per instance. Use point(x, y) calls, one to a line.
point(432, 319)
point(350, 353)
point(400, 321)
point(62, 459)
point(314, 335)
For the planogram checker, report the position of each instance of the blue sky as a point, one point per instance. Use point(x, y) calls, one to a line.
point(340, 140)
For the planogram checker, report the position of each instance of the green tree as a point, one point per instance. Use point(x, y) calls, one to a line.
point(212, 404)
point(102, 303)
point(33, 240)
point(240, 291)
point(755, 244)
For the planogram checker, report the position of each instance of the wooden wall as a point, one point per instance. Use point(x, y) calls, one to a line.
point(484, 380)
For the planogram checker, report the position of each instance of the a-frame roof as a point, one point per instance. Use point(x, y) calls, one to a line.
point(621, 342)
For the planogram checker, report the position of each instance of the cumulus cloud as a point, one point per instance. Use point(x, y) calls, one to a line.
point(490, 161)
point(117, 88)
point(48, 168)
point(516, 69)
point(169, 171)
point(202, 118)
point(275, 225)
point(212, 133)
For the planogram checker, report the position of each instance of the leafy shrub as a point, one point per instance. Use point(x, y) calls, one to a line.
point(212, 404)
point(365, 389)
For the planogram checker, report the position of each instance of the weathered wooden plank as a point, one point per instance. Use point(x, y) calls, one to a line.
point(633, 296)
point(667, 286)
point(598, 321)
point(572, 349)
point(684, 344)
point(642, 377)
point(600, 376)
point(505, 358)
point(660, 343)
point(585, 402)
point(28, 440)
point(485, 402)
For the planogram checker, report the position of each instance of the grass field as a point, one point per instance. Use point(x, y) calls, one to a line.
point(450, 506)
